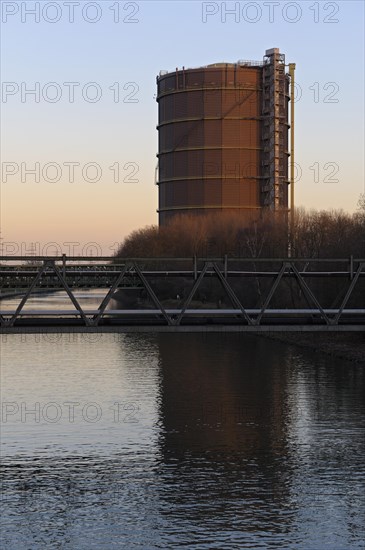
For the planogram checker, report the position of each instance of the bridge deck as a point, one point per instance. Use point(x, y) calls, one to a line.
point(187, 312)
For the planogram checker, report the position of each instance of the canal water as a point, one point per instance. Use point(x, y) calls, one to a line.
point(203, 441)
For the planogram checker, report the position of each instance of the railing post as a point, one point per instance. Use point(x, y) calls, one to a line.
point(351, 267)
point(195, 269)
point(64, 265)
point(225, 265)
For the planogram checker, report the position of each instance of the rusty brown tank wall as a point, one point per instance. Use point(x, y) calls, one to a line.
point(210, 141)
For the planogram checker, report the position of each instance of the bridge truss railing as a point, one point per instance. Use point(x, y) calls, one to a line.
point(118, 273)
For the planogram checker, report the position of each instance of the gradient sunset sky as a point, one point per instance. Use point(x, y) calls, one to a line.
point(121, 47)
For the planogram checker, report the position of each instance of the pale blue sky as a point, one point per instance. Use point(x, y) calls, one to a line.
point(167, 35)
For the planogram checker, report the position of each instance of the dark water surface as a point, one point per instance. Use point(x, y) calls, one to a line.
point(179, 440)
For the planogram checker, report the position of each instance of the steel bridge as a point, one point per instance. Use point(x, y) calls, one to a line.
point(258, 294)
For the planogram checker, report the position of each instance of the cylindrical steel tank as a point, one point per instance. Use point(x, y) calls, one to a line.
point(211, 149)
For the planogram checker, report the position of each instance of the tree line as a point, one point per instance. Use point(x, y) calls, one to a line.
point(317, 234)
